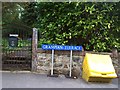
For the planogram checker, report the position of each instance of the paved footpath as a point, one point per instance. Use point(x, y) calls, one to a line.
point(31, 80)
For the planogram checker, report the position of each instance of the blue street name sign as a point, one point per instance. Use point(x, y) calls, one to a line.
point(60, 47)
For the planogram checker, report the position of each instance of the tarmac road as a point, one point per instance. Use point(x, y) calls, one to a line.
point(31, 80)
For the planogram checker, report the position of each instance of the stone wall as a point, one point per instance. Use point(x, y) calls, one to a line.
point(61, 60)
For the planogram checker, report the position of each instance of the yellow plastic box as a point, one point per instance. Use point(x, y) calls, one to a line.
point(98, 68)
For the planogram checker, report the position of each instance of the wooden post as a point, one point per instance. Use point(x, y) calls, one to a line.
point(34, 49)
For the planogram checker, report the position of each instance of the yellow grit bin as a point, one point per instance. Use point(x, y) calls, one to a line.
point(98, 68)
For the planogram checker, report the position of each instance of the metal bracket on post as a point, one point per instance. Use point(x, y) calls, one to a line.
point(70, 63)
point(52, 62)
point(52, 66)
point(70, 66)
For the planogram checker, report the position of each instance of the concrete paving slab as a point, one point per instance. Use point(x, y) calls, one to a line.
point(31, 80)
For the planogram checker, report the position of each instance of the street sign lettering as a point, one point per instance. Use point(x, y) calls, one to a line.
point(60, 47)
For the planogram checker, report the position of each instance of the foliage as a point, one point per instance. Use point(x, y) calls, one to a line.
point(11, 20)
point(93, 25)
point(21, 43)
